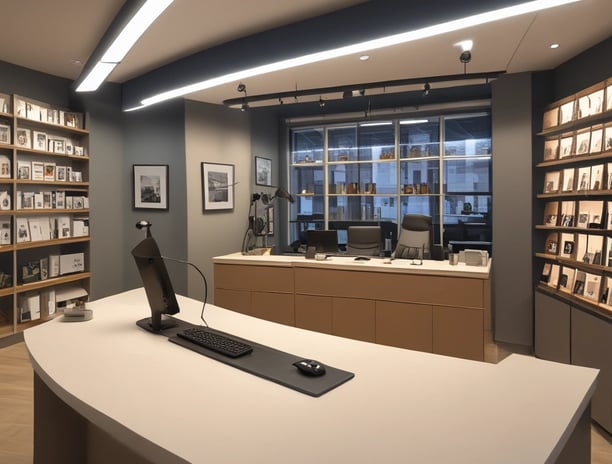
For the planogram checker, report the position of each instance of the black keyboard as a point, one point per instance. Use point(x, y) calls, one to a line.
point(206, 338)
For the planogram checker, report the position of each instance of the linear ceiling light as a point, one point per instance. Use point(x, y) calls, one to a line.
point(121, 45)
point(359, 48)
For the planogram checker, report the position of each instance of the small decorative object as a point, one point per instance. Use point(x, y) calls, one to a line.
point(263, 171)
point(217, 186)
point(150, 186)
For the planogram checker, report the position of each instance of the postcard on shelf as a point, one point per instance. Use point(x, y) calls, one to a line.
point(607, 141)
point(63, 226)
point(609, 98)
point(30, 272)
point(551, 181)
point(584, 107)
point(52, 116)
point(27, 200)
point(54, 265)
point(568, 179)
point(35, 233)
point(594, 249)
point(23, 169)
point(566, 144)
point(20, 108)
point(566, 112)
point(566, 279)
point(596, 101)
point(24, 138)
point(551, 118)
point(596, 177)
point(567, 245)
point(38, 200)
point(5, 200)
point(593, 209)
point(579, 281)
point(5, 134)
point(552, 243)
point(596, 138)
point(23, 230)
point(555, 270)
point(44, 268)
point(545, 276)
point(5, 167)
point(551, 149)
point(38, 170)
point(606, 294)
point(591, 286)
point(551, 213)
point(40, 140)
point(45, 228)
point(48, 301)
point(47, 200)
point(32, 111)
point(582, 241)
point(49, 172)
point(583, 140)
point(584, 178)
point(5, 231)
point(568, 213)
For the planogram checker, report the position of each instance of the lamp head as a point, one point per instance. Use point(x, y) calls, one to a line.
point(465, 57)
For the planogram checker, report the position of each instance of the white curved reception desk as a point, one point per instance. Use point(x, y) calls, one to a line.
point(108, 391)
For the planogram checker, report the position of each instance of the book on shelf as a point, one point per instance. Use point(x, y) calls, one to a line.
point(581, 247)
point(552, 243)
point(5, 200)
point(566, 112)
point(551, 213)
point(568, 179)
point(48, 301)
point(567, 245)
point(568, 213)
point(30, 272)
point(38, 170)
point(566, 278)
point(54, 265)
point(551, 181)
point(583, 141)
point(551, 149)
point(35, 233)
point(592, 285)
point(40, 140)
point(49, 172)
point(579, 281)
point(596, 177)
point(24, 169)
point(38, 200)
point(23, 230)
point(596, 139)
point(566, 144)
point(5, 165)
point(24, 138)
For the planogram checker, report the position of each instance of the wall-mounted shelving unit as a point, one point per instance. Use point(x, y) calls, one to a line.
point(44, 210)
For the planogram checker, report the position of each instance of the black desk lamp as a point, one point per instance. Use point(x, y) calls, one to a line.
point(256, 224)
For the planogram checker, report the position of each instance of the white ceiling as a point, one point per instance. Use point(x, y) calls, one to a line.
point(49, 36)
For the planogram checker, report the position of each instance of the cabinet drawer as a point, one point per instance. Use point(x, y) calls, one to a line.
point(404, 325)
point(275, 307)
point(458, 332)
point(354, 318)
point(313, 313)
point(258, 278)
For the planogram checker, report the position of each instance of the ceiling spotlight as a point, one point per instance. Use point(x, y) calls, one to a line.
point(426, 89)
point(241, 88)
point(362, 92)
point(244, 107)
point(364, 57)
point(465, 57)
point(321, 102)
point(555, 45)
point(280, 101)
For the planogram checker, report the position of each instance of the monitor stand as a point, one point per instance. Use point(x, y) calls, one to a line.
point(166, 323)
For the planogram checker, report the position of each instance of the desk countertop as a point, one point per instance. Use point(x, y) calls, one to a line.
point(400, 407)
point(429, 267)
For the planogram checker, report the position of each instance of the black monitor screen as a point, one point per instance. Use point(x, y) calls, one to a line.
point(324, 241)
point(157, 285)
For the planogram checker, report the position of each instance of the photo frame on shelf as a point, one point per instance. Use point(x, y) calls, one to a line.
point(24, 138)
point(5, 134)
point(609, 98)
point(551, 118)
point(217, 187)
point(565, 146)
point(263, 171)
point(566, 112)
point(583, 140)
point(551, 149)
point(150, 182)
point(607, 138)
point(596, 138)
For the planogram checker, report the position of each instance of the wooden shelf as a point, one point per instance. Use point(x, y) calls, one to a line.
point(45, 243)
point(27, 212)
point(46, 125)
point(575, 159)
point(52, 282)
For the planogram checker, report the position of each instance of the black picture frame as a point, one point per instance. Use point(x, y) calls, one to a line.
point(150, 186)
point(263, 171)
point(217, 187)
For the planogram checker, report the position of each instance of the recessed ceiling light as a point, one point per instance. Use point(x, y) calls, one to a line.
point(555, 45)
point(364, 57)
point(76, 62)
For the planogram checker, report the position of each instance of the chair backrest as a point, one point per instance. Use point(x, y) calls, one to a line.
point(416, 234)
point(364, 240)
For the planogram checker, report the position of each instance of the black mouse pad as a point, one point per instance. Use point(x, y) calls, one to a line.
point(274, 365)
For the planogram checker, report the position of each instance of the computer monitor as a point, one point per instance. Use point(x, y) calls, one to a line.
point(364, 240)
point(324, 241)
point(157, 285)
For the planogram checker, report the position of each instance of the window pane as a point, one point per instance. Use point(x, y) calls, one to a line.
point(376, 141)
point(419, 138)
point(467, 217)
point(467, 135)
point(429, 205)
point(342, 143)
point(307, 145)
point(420, 176)
point(467, 175)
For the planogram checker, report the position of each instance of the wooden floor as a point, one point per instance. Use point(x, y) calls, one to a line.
point(16, 410)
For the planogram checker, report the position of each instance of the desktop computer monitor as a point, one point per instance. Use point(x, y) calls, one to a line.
point(157, 285)
point(323, 241)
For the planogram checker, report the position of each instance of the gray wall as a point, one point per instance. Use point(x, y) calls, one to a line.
point(512, 201)
point(214, 134)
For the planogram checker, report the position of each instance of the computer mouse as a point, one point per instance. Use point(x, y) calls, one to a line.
point(310, 367)
point(362, 258)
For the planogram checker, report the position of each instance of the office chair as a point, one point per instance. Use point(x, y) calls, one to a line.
point(363, 240)
point(416, 237)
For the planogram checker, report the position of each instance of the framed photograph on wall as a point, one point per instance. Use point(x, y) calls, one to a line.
point(150, 186)
point(263, 171)
point(217, 186)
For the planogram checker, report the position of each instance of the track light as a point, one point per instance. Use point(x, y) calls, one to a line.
point(321, 102)
point(241, 88)
point(244, 107)
point(426, 89)
point(465, 57)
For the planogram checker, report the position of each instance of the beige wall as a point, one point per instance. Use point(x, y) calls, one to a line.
point(219, 135)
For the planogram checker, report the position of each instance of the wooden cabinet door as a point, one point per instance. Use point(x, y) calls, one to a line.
point(354, 318)
point(313, 313)
point(458, 332)
point(404, 325)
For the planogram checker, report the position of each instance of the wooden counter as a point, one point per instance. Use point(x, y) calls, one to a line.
point(434, 307)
